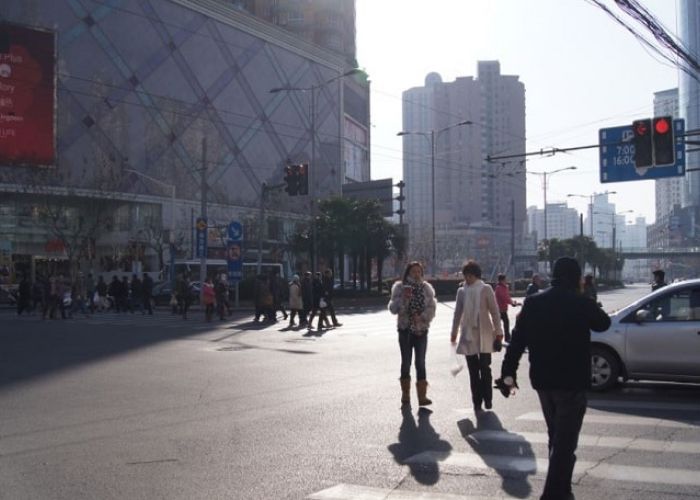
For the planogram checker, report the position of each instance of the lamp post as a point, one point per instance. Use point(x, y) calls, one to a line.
point(545, 186)
point(431, 136)
point(591, 199)
point(171, 242)
point(312, 168)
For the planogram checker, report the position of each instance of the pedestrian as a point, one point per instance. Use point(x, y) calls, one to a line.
point(319, 305)
point(296, 302)
point(659, 280)
point(413, 301)
point(115, 293)
point(504, 302)
point(51, 294)
point(38, 294)
point(307, 295)
point(221, 294)
point(100, 293)
point(125, 297)
point(589, 288)
point(182, 294)
point(535, 285)
point(136, 294)
point(478, 317)
point(328, 291)
point(278, 291)
point(555, 327)
point(78, 303)
point(208, 299)
point(63, 292)
point(24, 296)
point(89, 286)
point(147, 286)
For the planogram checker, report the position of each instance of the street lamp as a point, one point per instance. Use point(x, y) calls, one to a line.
point(312, 168)
point(431, 136)
point(544, 176)
point(591, 198)
point(171, 187)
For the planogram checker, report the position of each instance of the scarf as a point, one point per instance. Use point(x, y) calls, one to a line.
point(472, 303)
point(416, 304)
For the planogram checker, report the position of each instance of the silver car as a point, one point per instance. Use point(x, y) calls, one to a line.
point(654, 338)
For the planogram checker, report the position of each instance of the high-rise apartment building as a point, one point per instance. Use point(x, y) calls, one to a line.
point(689, 94)
point(327, 23)
point(478, 204)
point(669, 192)
point(562, 221)
point(606, 223)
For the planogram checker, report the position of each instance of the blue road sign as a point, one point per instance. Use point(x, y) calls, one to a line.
point(234, 252)
point(617, 156)
point(201, 240)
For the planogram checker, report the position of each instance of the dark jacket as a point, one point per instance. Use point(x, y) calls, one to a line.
point(307, 293)
point(555, 326)
point(328, 287)
point(318, 292)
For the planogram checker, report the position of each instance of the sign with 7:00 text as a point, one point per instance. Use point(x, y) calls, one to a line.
point(617, 156)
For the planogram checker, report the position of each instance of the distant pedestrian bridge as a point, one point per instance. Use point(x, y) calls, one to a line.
point(659, 253)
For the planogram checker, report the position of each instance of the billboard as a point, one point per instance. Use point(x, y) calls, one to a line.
point(380, 190)
point(27, 96)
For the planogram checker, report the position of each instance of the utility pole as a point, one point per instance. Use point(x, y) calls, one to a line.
point(203, 210)
point(261, 226)
point(512, 239)
point(432, 184)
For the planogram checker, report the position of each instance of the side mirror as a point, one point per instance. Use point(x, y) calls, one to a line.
point(642, 316)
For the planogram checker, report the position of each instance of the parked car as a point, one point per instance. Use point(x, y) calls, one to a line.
point(654, 338)
point(163, 291)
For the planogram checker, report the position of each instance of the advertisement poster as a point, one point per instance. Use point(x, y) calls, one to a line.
point(27, 96)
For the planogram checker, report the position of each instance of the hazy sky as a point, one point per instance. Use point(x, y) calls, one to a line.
point(581, 71)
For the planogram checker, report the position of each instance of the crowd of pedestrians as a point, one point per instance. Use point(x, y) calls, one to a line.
point(554, 326)
point(57, 296)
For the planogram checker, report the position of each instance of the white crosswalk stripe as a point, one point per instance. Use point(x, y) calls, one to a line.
point(356, 492)
point(519, 458)
point(621, 420)
point(628, 443)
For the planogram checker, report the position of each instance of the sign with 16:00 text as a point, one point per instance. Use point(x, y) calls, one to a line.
point(617, 156)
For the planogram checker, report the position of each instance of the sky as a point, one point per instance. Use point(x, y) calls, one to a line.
point(581, 70)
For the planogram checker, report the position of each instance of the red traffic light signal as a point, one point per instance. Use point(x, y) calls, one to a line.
point(303, 179)
point(664, 142)
point(643, 147)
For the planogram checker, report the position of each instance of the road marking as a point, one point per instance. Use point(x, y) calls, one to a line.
point(538, 466)
point(594, 418)
point(596, 441)
point(356, 492)
point(643, 405)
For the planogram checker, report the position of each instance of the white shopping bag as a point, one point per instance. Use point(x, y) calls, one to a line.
point(458, 361)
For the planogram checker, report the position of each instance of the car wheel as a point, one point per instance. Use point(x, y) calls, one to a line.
point(605, 369)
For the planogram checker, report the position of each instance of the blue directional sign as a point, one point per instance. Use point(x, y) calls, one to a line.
point(234, 252)
point(201, 246)
point(617, 156)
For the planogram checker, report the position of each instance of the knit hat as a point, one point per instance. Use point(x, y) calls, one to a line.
point(566, 273)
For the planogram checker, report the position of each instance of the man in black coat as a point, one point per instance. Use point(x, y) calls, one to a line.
point(555, 326)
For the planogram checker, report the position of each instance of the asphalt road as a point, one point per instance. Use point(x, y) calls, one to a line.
point(155, 407)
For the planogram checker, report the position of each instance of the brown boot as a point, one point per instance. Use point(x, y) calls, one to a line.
point(405, 390)
point(422, 389)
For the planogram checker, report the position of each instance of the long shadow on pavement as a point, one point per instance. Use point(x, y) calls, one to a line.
point(418, 438)
point(512, 458)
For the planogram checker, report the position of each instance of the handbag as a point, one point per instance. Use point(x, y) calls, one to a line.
point(323, 304)
point(497, 345)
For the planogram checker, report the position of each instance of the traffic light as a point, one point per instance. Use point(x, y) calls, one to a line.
point(643, 146)
point(291, 179)
point(303, 179)
point(664, 143)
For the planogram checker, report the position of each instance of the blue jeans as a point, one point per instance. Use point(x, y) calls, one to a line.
point(408, 342)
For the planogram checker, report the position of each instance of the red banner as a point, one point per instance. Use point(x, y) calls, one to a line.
point(27, 96)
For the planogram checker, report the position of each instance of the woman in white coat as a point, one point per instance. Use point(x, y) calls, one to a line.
point(478, 317)
point(296, 302)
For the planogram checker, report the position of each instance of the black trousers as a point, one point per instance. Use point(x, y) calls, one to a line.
point(410, 343)
point(506, 325)
point(563, 412)
point(480, 378)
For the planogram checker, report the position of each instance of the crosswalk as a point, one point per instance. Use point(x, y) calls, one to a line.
point(615, 448)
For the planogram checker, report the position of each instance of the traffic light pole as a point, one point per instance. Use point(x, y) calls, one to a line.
point(262, 223)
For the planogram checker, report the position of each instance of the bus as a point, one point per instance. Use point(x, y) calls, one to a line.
point(218, 267)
